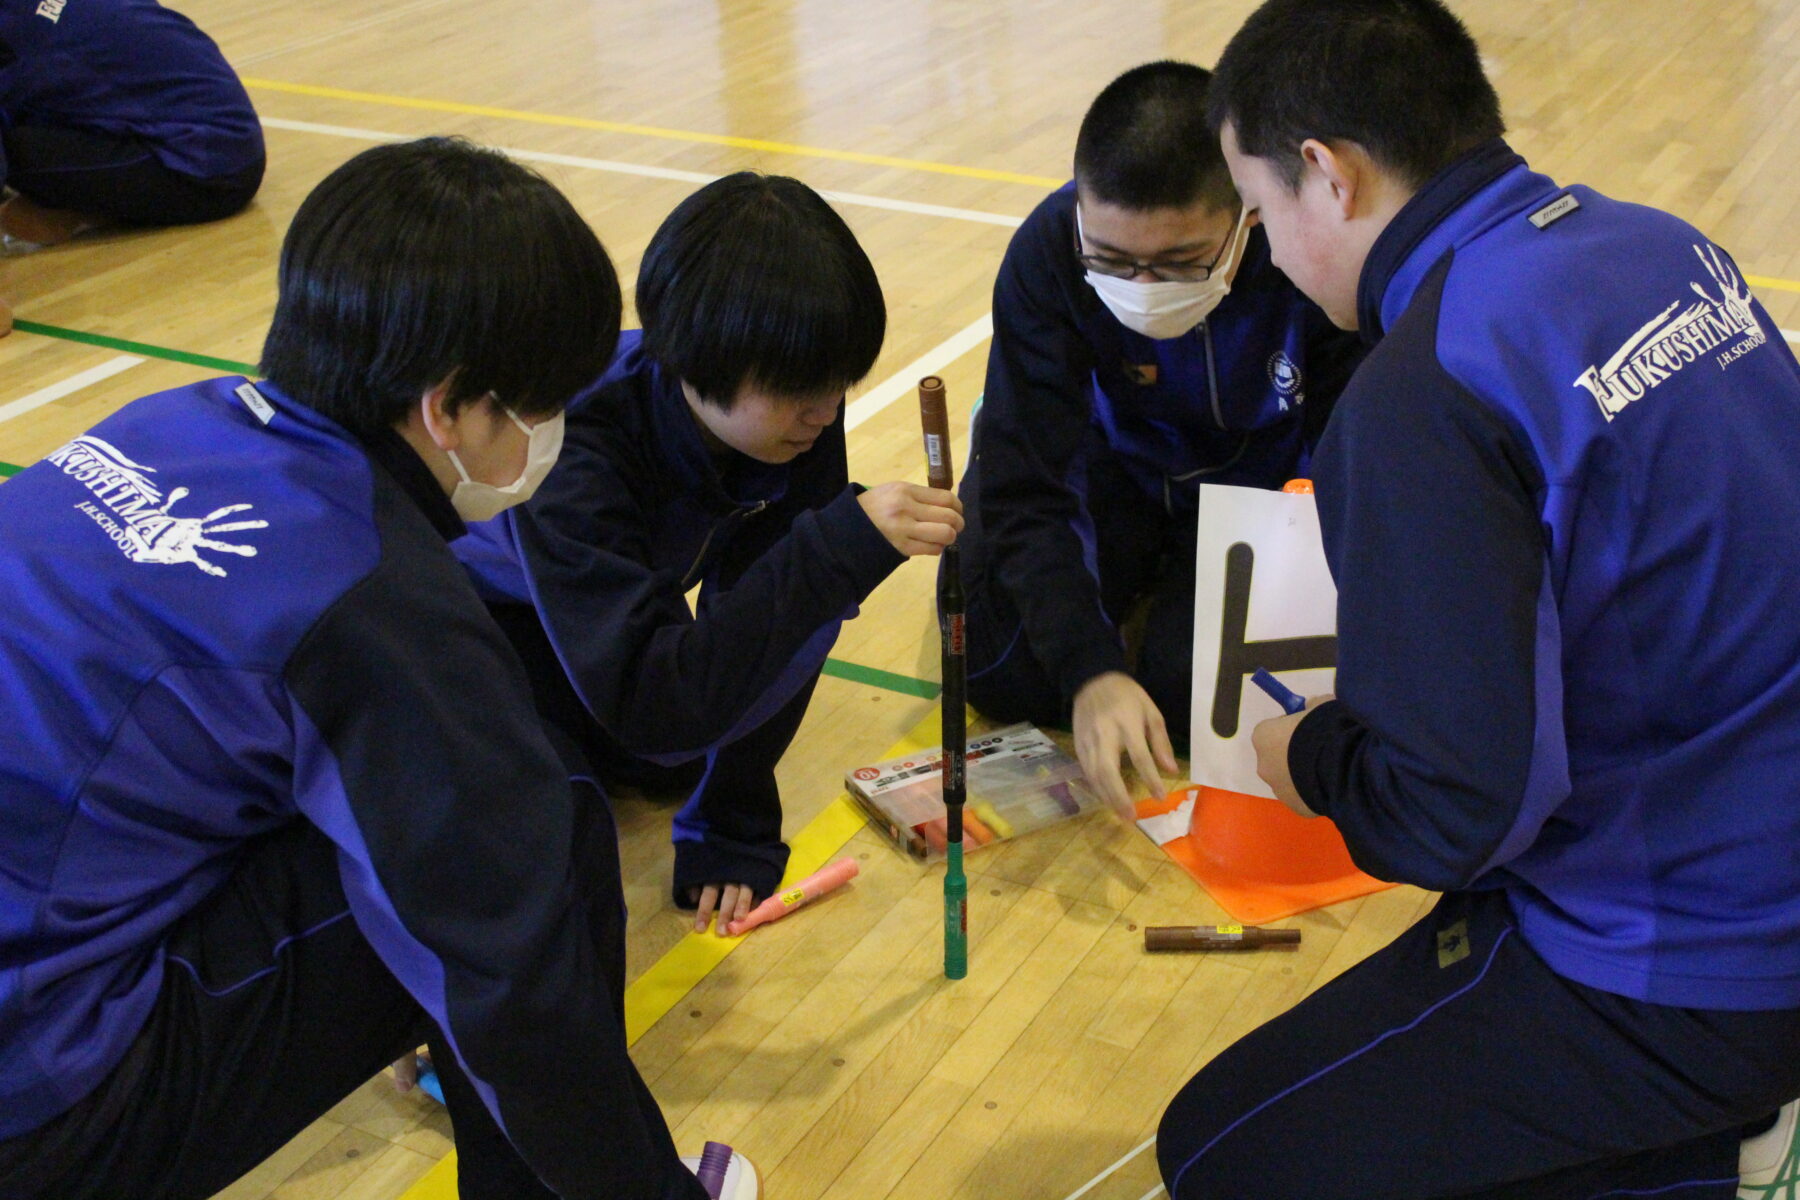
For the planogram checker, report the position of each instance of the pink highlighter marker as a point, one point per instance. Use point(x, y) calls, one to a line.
point(782, 903)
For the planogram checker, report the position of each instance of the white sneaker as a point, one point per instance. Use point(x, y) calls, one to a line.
point(1769, 1163)
point(740, 1181)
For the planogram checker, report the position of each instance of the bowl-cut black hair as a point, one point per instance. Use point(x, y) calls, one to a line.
point(755, 279)
point(438, 259)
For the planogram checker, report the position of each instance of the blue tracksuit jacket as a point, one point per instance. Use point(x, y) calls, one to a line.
point(1561, 499)
point(217, 625)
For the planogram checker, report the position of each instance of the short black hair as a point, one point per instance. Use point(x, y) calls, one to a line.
point(1400, 78)
point(754, 279)
point(438, 259)
point(1145, 143)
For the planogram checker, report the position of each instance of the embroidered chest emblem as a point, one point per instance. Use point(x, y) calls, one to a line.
point(1284, 374)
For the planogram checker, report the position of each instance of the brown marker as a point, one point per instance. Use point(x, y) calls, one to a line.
point(1216, 937)
point(934, 416)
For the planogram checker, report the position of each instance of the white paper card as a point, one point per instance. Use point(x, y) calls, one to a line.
point(1263, 596)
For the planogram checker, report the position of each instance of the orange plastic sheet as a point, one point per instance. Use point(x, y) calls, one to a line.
point(1259, 859)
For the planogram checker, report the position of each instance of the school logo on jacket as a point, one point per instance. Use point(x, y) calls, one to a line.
point(51, 10)
point(1284, 373)
point(1672, 341)
point(138, 518)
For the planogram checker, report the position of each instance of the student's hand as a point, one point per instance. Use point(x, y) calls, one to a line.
point(732, 901)
point(1114, 716)
point(914, 519)
point(1271, 740)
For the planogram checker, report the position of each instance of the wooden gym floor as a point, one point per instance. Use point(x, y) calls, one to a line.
point(829, 1047)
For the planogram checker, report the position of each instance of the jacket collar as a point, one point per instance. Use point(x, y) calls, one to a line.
point(386, 448)
point(396, 455)
point(1429, 222)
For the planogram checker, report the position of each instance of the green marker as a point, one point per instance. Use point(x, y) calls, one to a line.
point(956, 916)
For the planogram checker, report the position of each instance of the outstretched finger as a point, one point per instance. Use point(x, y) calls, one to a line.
point(1144, 763)
point(709, 900)
point(1161, 747)
point(1100, 763)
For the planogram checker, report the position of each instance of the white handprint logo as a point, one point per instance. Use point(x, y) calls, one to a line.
point(182, 539)
point(1734, 294)
point(140, 521)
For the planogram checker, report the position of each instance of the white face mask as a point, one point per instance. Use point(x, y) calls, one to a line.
point(476, 501)
point(1167, 309)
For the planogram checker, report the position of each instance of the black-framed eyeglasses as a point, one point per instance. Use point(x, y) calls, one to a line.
point(1178, 271)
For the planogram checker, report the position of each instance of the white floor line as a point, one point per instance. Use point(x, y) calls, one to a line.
point(72, 384)
point(1792, 335)
point(624, 168)
point(1155, 1191)
point(1089, 1186)
point(906, 379)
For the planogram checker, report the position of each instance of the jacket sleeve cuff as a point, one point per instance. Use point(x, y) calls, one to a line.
point(863, 550)
point(1312, 754)
point(719, 859)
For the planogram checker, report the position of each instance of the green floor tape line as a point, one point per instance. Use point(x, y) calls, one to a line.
point(875, 677)
point(143, 348)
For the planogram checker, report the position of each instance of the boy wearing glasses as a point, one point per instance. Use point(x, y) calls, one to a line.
point(1143, 343)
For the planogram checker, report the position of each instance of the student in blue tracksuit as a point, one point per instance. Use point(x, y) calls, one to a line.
point(275, 804)
point(118, 112)
point(1143, 344)
point(711, 454)
point(1559, 499)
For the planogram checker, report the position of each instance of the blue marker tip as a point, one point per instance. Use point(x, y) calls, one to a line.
point(1291, 702)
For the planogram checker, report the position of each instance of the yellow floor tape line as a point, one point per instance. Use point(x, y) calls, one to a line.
point(674, 975)
point(1780, 285)
point(660, 988)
